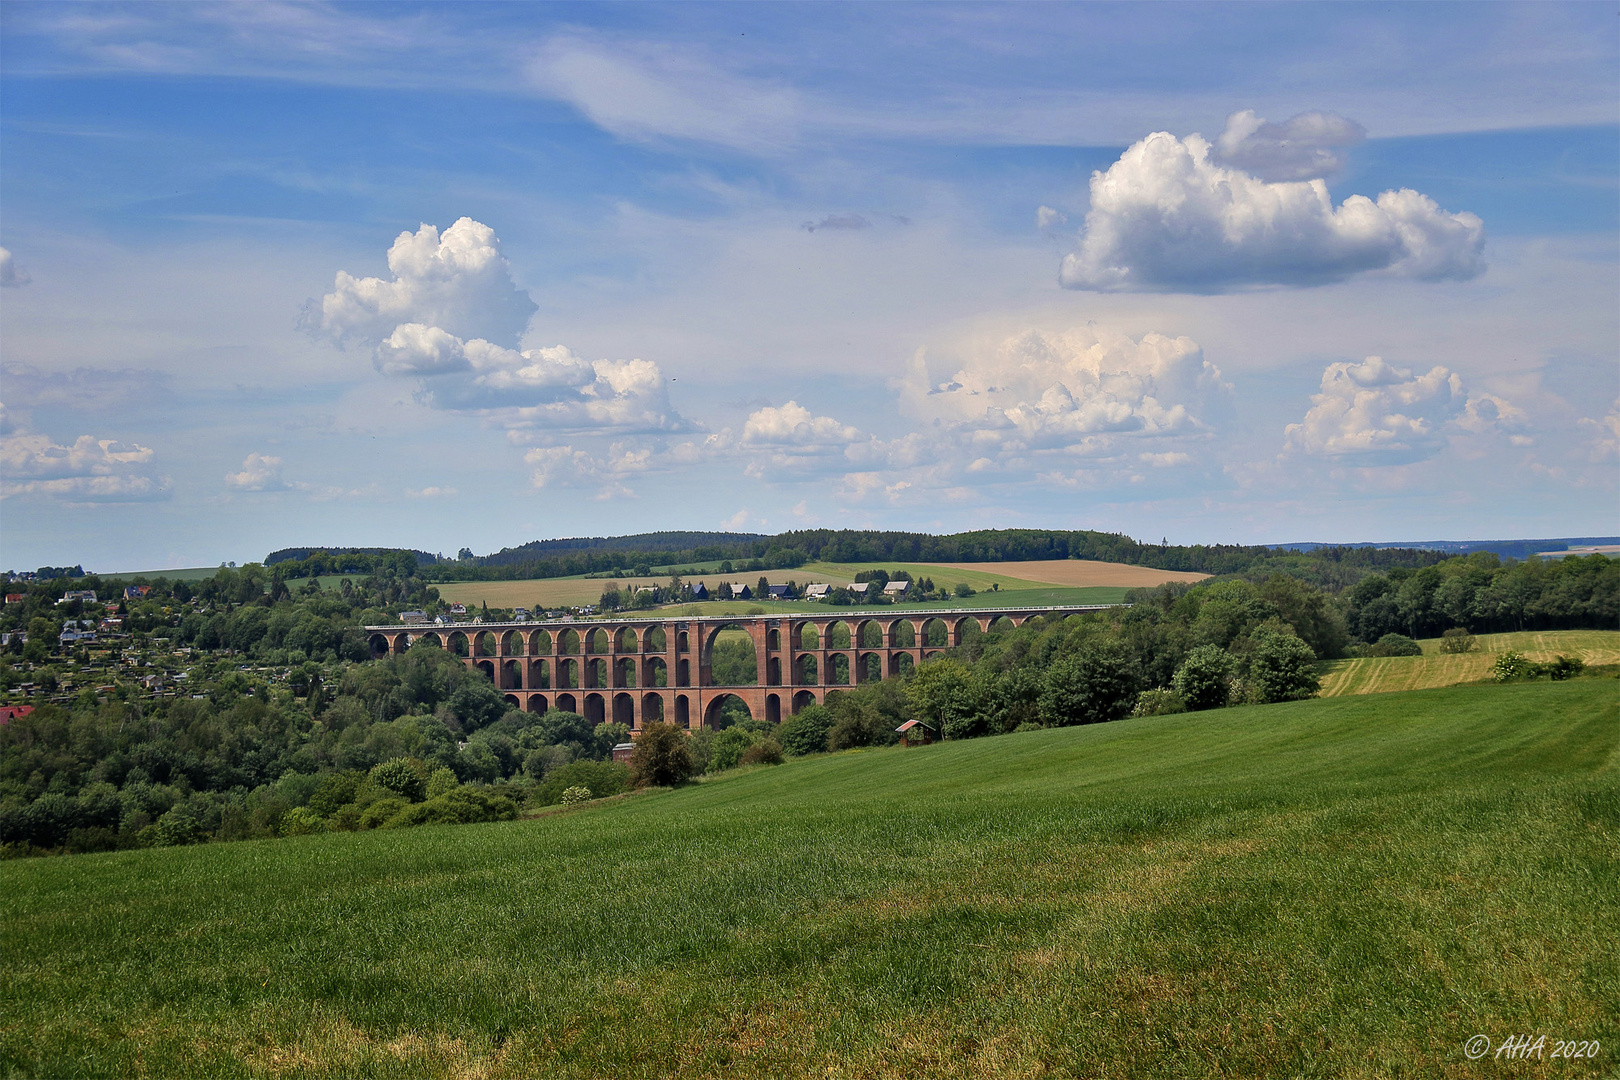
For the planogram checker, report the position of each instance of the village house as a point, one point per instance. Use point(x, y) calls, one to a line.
point(816, 592)
point(700, 591)
point(896, 589)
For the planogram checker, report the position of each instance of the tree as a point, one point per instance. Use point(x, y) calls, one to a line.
point(1456, 640)
point(402, 777)
point(941, 695)
point(1204, 679)
point(1089, 687)
point(660, 758)
point(806, 733)
point(1282, 667)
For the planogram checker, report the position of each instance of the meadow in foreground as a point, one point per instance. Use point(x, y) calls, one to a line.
point(1345, 887)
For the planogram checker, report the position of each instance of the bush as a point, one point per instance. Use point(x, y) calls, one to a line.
point(1204, 679)
point(1457, 640)
point(1565, 667)
point(600, 778)
point(574, 796)
point(1511, 666)
point(174, 829)
point(728, 748)
point(1282, 668)
point(302, 821)
point(462, 806)
point(336, 790)
point(764, 752)
point(379, 812)
point(442, 781)
point(660, 758)
point(1395, 645)
point(807, 732)
point(401, 776)
point(963, 590)
point(1159, 703)
point(1090, 687)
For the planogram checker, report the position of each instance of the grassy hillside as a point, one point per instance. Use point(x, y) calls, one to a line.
point(1349, 887)
point(1060, 582)
point(1380, 674)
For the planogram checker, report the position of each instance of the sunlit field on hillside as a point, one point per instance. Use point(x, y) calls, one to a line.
point(1344, 887)
point(1381, 674)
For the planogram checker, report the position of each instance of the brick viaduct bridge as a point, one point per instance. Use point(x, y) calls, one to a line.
point(641, 670)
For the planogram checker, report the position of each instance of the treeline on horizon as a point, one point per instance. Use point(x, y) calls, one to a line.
point(1330, 566)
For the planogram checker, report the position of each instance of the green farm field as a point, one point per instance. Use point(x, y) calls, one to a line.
point(1070, 581)
point(1381, 674)
point(194, 573)
point(1344, 887)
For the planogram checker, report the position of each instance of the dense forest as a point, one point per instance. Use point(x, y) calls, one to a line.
point(239, 707)
point(1335, 566)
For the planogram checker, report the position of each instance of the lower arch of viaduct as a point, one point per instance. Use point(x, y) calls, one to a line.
point(639, 671)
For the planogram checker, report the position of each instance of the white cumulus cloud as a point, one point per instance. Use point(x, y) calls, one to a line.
point(452, 318)
point(1045, 390)
point(260, 472)
point(1374, 413)
point(1167, 217)
point(457, 282)
point(86, 470)
point(1301, 148)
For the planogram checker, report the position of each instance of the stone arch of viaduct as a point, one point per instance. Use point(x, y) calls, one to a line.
point(638, 671)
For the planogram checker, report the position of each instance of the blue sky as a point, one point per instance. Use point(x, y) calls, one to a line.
point(459, 275)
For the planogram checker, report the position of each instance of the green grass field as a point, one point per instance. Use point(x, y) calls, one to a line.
point(195, 573)
point(1013, 591)
point(1381, 674)
point(1343, 887)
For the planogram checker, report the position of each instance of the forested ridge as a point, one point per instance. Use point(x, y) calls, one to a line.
point(563, 558)
point(240, 706)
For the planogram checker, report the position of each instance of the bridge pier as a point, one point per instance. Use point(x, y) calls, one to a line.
point(608, 669)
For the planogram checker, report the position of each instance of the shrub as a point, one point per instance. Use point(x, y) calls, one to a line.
point(1282, 668)
point(442, 781)
point(1204, 679)
point(302, 821)
point(1511, 666)
point(601, 778)
point(764, 752)
point(379, 812)
point(174, 829)
point(462, 806)
point(1395, 645)
point(401, 776)
point(1159, 703)
point(807, 732)
point(1090, 687)
point(336, 790)
point(575, 796)
point(1457, 640)
point(963, 590)
point(728, 748)
point(1565, 667)
point(660, 758)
